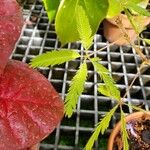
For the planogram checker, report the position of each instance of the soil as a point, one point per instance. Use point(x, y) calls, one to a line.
point(139, 135)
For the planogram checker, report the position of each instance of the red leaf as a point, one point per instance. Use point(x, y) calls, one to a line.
point(30, 108)
point(11, 22)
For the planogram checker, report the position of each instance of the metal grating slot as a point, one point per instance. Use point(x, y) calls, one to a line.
point(38, 36)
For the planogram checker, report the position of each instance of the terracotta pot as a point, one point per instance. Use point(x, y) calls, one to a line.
point(133, 116)
point(112, 33)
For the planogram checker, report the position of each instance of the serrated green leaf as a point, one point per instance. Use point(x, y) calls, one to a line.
point(84, 28)
point(147, 41)
point(138, 108)
point(66, 22)
point(75, 90)
point(105, 90)
point(138, 9)
point(124, 132)
point(110, 87)
point(117, 6)
point(54, 57)
point(100, 128)
point(114, 9)
point(66, 28)
point(51, 7)
point(138, 22)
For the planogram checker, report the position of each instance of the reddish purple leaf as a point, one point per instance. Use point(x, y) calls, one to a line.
point(11, 22)
point(30, 108)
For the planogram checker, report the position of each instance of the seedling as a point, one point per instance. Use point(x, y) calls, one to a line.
point(79, 20)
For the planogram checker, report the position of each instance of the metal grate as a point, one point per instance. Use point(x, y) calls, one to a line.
point(122, 62)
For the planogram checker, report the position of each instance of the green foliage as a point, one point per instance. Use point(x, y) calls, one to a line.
point(109, 89)
point(124, 132)
point(84, 28)
point(54, 57)
point(114, 9)
point(75, 90)
point(138, 9)
point(143, 3)
point(138, 22)
point(101, 127)
point(117, 6)
point(66, 18)
point(138, 108)
point(147, 41)
point(65, 23)
point(51, 7)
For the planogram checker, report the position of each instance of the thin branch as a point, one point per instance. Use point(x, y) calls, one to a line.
point(137, 49)
point(108, 45)
point(136, 76)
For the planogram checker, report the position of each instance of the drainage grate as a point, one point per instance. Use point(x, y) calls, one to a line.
point(122, 62)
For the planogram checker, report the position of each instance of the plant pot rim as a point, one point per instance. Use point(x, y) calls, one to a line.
point(133, 116)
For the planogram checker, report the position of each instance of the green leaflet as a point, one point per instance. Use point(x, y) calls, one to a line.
point(66, 19)
point(65, 23)
point(114, 9)
point(116, 6)
point(101, 127)
point(124, 132)
point(147, 41)
point(84, 28)
point(75, 90)
point(143, 3)
point(54, 57)
point(138, 9)
point(105, 90)
point(109, 89)
point(51, 7)
point(138, 22)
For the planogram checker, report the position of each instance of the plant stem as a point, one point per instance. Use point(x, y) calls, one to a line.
point(137, 49)
point(108, 45)
point(137, 74)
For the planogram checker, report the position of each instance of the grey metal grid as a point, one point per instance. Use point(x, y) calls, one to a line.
point(122, 62)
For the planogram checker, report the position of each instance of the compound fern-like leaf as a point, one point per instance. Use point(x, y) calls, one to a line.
point(54, 57)
point(109, 89)
point(75, 90)
point(124, 132)
point(84, 29)
point(101, 127)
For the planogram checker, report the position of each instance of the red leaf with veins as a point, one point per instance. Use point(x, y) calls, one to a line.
point(11, 22)
point(30, 108)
